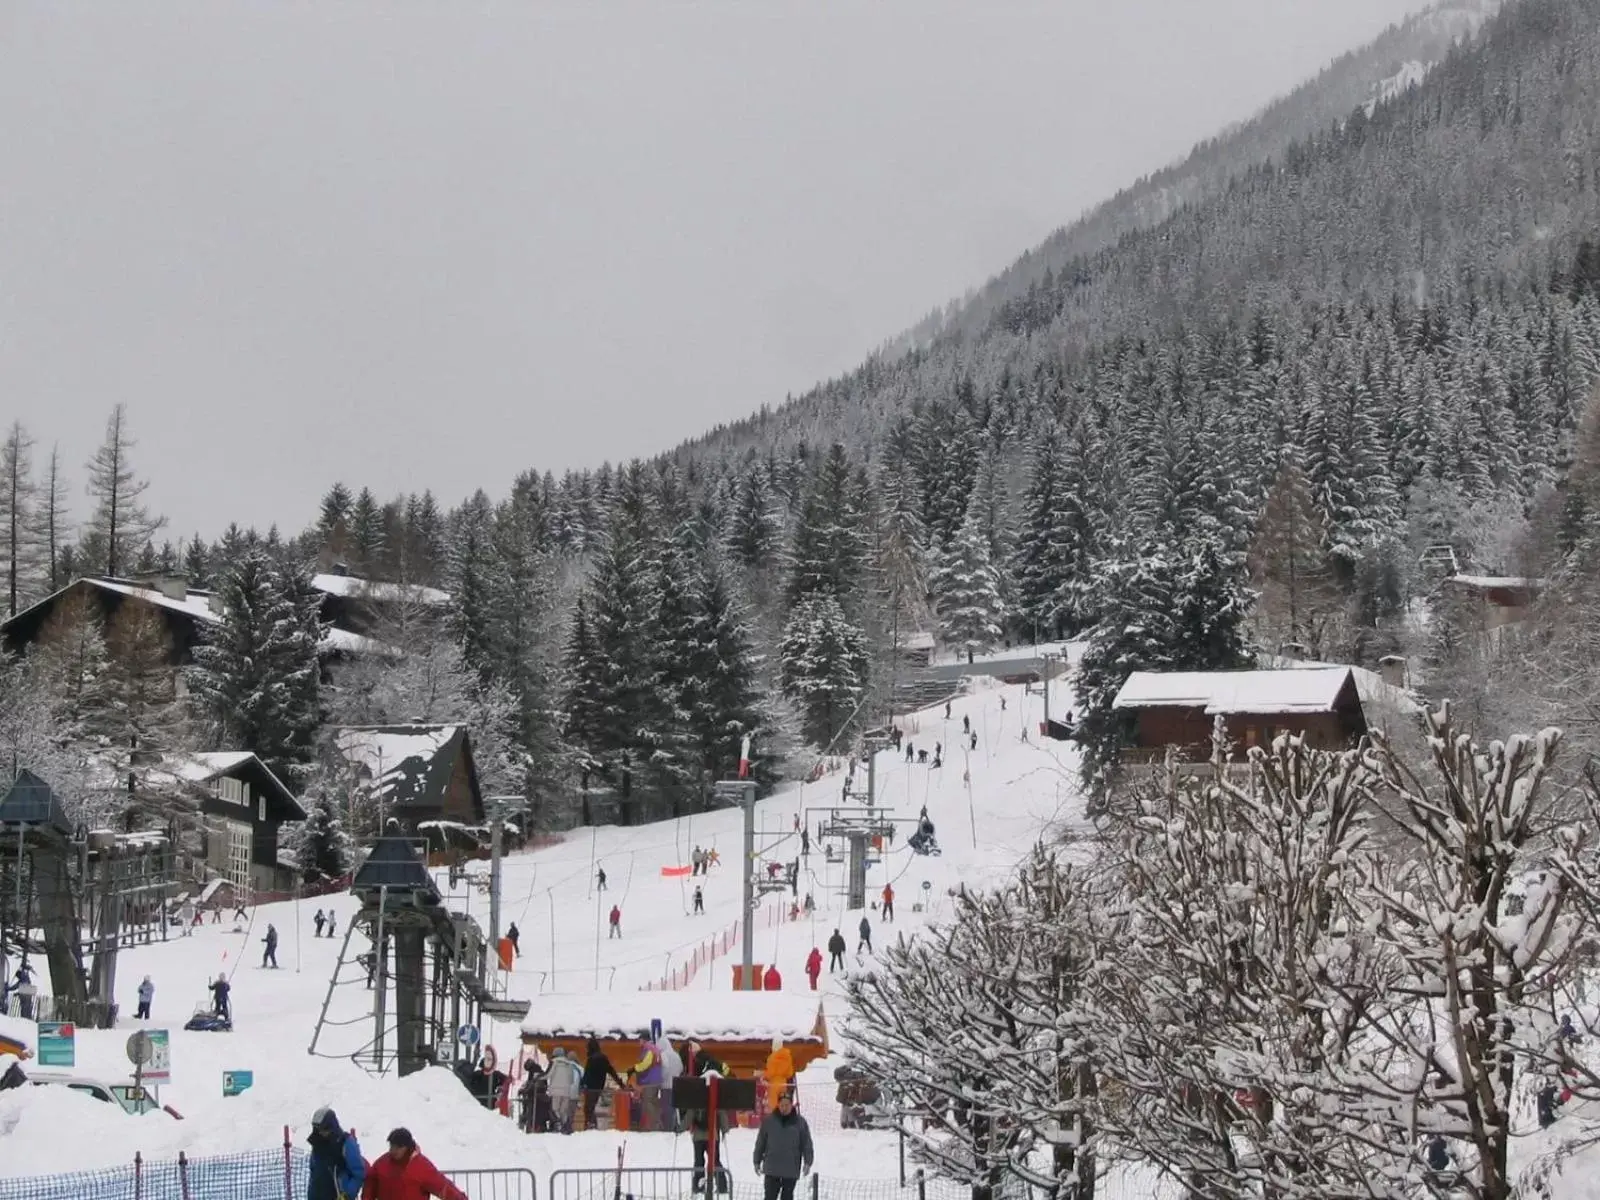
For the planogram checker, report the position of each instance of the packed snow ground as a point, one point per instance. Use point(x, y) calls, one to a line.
point(1019, 790)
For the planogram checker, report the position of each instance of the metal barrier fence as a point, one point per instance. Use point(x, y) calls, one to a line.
point(509, 1183)
point(281, 1174)
point(635, 1183)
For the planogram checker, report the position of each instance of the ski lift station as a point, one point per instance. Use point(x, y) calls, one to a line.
point(734, 1027)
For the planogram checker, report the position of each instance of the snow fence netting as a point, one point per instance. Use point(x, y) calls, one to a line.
point(279, 1174)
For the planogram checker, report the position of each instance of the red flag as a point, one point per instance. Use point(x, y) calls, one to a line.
point(744, 758)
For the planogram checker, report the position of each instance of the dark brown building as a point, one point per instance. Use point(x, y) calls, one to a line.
point(243, 807)
point(1177, 709)
point(424, 776)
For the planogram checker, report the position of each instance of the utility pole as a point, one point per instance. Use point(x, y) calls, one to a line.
point(497, 825)
point(745, 791)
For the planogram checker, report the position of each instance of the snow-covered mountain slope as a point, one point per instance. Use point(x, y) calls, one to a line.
point(1019, 789)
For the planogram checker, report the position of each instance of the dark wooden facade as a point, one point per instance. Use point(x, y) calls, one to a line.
point(1160, 727)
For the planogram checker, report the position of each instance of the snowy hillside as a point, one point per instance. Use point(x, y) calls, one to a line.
point(1018, 790)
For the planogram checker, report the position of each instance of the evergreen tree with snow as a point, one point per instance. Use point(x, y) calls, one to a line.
point(367, 536)
point(966, 588)
point(255, 677)
point(753, 527)
point(325, 845)
point(722, 699)
point(824, 657)
point(829, 548)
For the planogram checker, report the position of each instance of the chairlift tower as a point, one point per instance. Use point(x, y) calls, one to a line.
point(442, 964)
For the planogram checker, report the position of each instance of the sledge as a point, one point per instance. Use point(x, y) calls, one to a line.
point(207, 1021)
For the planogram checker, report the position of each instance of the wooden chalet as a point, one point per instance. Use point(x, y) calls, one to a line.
point(243, 808)
point(1176, 710)
point(736, 1028)
point(423, 776)
point(1485, 603)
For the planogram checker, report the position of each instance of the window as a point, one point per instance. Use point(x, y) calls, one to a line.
point(233, 791)
point(238, 869)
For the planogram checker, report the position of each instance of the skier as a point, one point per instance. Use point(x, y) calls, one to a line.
point(814, 966)
point(514, 937)
point(947, 710)
point(533, 1096)
point(699, 901)
point(600, 880)
point(671, 1068)
point(404, 1174)
point(810, 905)
point(566, 1078)
point(319, 921)
point(270, 955)
point(938, 751)
point(805, 843)
point(1002, 704)
point(337, 1168)
point(699, 1120)
point(783, 1149)
point(596, 1069)
point(220, 1004)
point(695, 861)
point(910, 750)
point(147, 993)
point(966, 724)
point(186, 916)
point(836, 948)
point(866, 937)
point(772, 981)
point(239, 913)
point(888, 902)
point(974, 739)
point(616, 922)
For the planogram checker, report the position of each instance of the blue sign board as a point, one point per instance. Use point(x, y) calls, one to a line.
point(57, 1044)
point(235, 1082)
point(468, 1035)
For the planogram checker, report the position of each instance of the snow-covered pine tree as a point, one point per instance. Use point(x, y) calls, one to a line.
point(1212, 608)
point(1288, 564)
point(119, 524)
point(829, 549)
point(966, 591)
point(824, 657)
point(725, 701)
point(753, 526)
point(325, 845)
point(367, 540)
point(255, 676)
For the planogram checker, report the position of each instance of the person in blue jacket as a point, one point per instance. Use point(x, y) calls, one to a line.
point(337, 1168)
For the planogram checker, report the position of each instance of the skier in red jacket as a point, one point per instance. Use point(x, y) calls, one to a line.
point(814, 966)
point(404, 1174)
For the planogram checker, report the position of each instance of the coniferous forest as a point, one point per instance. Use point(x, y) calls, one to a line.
point(1226, 415)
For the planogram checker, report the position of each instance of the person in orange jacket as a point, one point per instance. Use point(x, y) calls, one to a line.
point(405, 1174)
point(888, 902)
point(780, 1071)
point(814, 966)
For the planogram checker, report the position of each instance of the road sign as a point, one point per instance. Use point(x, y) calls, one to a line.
point(467, 1035)
point(140, 1049)
point(236, 1082)
point(57, 1044)
point(159, 1068)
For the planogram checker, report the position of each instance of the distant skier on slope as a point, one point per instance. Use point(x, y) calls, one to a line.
point(836, 949)
point(814, 966)
point(616, 921)
point(866, 936)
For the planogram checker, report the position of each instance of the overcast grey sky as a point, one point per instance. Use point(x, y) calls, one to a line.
point(420, 245)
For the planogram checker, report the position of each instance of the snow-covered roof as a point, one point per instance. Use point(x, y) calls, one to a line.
point(1297, 690)
point(407, 764)
point(207, 765)
point(707, 1016)
point(196, 604)
point(1488, 582)
point(356, 643)
point(354, 587)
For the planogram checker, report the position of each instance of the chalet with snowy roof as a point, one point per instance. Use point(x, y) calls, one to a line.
point(423, 776)
point(1486, 603)
point(737, 1028)
point(1175, 710)
point(352, 608)
point(243, 808)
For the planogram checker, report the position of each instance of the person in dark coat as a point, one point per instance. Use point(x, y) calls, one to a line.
point(699, 901)
point(783, 1149)
point(836, 949)
point(600, 880)
point(596, 1069)
point(220, 1003)
point(319, 921)
point(514, 937)
point(534, 1098)
point(337, 1169)
point(271, 940)
point(866, 936)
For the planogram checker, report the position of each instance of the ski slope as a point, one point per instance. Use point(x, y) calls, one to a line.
point(989, 805)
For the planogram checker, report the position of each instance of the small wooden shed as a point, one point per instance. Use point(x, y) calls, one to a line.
point(1176, 709)
point(734, 1027)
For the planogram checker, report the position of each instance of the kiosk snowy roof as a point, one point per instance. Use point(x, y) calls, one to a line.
point(703, 1016)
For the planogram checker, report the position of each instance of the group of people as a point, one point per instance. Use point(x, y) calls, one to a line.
point(339, 1172)
point(325, 920)
point(701, 861)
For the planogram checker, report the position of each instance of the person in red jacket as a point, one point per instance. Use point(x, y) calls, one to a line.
point(814, 966)
point(405, 1174)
